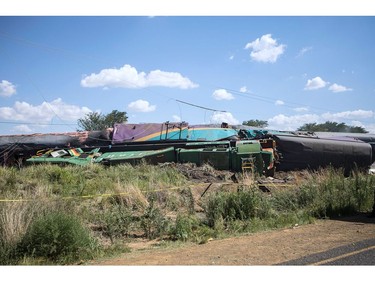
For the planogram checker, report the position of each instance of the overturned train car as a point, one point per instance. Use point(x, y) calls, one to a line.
point(230, 147)
point(307, 152)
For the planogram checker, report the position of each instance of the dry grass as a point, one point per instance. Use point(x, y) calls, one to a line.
point(15, 218)
point(148, 199)
point(130, 195)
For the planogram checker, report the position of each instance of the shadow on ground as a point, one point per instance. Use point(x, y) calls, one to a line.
point(359, 218)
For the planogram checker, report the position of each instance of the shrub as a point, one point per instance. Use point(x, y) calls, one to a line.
point(14, 221)
point(184, 227)
point(153, 222)
point(117, 221)
point(57, 237)
point(330, 193)
point(240, 205)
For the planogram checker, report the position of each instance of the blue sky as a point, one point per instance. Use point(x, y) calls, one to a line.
point(288, 70)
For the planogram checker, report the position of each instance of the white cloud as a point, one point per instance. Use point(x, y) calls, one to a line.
point(303, 51)
point(227, 117)
point(43, 113)
point(301, 109)
point(128, 77)
point(243, 89)
point(176, 118)
point(279, 102)
point(356, 123)
point(355, 114)
point(231, 57)
point(338, 88)
point(265, 49)
point(7, 89)
point(370, 128)
point(22, 129)
point(141, 106)
point(315, 83)
point(283, 122)
point(222, 94)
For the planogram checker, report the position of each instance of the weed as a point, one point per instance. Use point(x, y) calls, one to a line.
point(330, 193)
point(184, 227)
point(57, 237)
point(240, 205)
point(117, 221)
point(153, 222)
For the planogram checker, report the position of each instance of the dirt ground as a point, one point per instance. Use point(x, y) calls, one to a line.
point(265, 248)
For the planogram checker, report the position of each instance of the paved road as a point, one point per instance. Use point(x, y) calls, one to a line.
point(359, 253)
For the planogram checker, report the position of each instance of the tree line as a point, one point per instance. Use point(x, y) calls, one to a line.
point(314, 127)
point(95, 121)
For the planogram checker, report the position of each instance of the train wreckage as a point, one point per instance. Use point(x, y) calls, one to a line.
point(236, 148)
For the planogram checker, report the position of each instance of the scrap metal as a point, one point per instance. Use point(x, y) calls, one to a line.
point(224, 146)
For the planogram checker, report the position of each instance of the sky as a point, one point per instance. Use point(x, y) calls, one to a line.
point(288, 70)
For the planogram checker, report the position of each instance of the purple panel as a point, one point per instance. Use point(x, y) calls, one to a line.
point(134, 132)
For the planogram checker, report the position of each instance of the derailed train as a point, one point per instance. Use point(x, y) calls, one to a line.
point(235, 148)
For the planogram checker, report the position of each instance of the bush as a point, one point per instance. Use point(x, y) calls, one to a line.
point(240, 205)
point(330, 193)
point(184, 227)
point(57, 237)
point(6, 254)
point(153, 222)
point(117, 221)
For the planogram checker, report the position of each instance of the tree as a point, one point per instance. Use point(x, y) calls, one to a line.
point(331, 127)
point(95, 121)
point(115, 117)
point(255, 123)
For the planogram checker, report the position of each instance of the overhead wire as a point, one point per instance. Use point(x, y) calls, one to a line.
point(70, 53)
point(74, 54)
point(14, 146)
point(198, 106)
point(269, 99)
point(286, 103)
point(36, 123)
point(43, 97)
point(48, 48)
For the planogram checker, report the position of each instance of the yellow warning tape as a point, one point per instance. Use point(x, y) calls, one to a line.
point(116, 194)
point(89, 196)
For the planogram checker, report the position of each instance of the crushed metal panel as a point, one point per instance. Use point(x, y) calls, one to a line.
point(70, 139)
point(14, 148)
point(135, 157)
point(74, 156)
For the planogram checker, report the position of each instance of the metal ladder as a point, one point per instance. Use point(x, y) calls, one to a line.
point(247, 164)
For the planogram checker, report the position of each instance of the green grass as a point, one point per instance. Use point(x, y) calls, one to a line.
point(57, 237)
point(73, 213)
point(326, 193)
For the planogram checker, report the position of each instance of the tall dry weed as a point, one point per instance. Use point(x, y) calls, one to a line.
point(130, 195)
point(15, 218)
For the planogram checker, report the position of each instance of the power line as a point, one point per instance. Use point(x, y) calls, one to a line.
point(37, 123)
point(287, 104)
point(75, 54)
point(202, 107)
point(47, 48)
